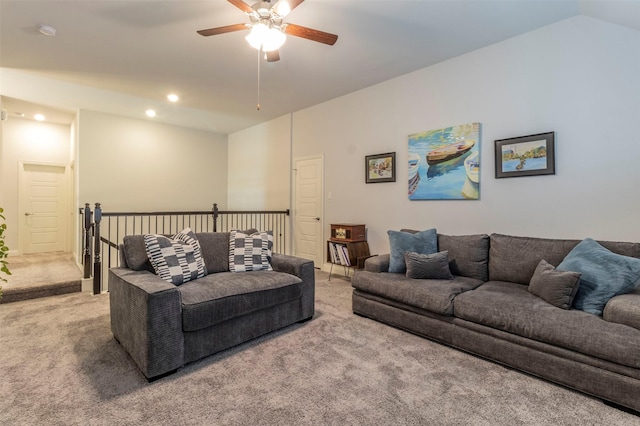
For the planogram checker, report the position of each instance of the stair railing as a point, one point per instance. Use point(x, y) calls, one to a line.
point(103, 232)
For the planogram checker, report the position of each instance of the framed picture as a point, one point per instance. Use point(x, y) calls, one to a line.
point(444, 164)
point(380, 167)
point(526, 156)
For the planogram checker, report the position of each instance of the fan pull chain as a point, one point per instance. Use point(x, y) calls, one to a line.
point(259, 54)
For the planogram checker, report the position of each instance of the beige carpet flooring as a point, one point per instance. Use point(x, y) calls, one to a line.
point(60, 365)
point(41, 275)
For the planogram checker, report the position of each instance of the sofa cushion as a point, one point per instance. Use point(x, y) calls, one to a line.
point(554, 286)
point(250, 252)
point(510, 307)
point(430, 295)
point(428, 266)
point(624, 309)
point(135, 253)
point(176, 260)
point(222, 296)
point(604, 274)
point(514, 259)
point(215, 250)
point(468, 254)
point(424, 242)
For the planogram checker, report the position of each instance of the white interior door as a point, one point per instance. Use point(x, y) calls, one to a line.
point(43, 208)
point(308, 210)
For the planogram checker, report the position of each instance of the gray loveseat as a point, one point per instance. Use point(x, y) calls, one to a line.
point(164, 326)
point(488, 310)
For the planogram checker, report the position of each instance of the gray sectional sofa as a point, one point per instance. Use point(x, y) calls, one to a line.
point(164, 326)
point(488, 309)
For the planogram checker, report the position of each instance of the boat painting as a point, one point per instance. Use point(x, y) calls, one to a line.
point(438, 166)
point(414, 176)
point(472, 167)
point(449, 152)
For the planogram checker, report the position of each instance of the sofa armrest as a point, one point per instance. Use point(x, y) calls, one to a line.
point(303, 269)
point(624, 309)
point(378, 263)
point(291, 265)
point(146, 318)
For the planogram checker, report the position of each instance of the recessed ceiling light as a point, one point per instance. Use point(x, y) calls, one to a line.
point(173, 97)
point(39, 117)
point(47, 30)
point(150, 113)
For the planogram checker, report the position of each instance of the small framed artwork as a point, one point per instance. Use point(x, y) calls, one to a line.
point(380, 167)
point(526, 156)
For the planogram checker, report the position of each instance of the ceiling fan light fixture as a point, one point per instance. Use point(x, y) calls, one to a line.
point(257, 35)
point(265, 38)
point(282, 8)
point(274, 40)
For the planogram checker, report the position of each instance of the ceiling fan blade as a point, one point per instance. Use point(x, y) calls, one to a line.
point(241, 5)
point(283, 7)
point(311, 34)
point(222, 30)
point(273, 56)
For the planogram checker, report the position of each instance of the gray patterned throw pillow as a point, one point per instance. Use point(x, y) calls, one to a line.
point(177, 259)
point(250, 252)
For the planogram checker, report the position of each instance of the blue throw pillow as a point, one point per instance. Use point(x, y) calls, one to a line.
point(425, 242)
point(604, 274)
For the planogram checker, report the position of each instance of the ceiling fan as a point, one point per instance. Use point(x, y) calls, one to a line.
point(268, 29)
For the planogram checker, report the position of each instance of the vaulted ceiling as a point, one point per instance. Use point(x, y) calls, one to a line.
point(125, 56)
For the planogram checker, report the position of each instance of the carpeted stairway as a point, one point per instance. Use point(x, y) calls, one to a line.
point(60, 365)
point(41, 275)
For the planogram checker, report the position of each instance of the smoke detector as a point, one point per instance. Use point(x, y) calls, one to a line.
point(47, 30)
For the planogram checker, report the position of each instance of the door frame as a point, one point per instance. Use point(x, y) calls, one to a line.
point(321, 261)
point(68, 211)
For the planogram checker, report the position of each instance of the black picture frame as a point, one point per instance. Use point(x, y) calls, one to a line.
point(380, 168)
point(531, 155)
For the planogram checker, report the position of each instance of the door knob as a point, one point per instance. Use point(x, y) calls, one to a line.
point(317, 218)
point(28, 214)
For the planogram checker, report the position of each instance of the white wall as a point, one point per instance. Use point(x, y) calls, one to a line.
point(138, 165)
point(32, 142)
point(76, 247)
point(579, 77)
point(260, 166)
point(2, 183)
